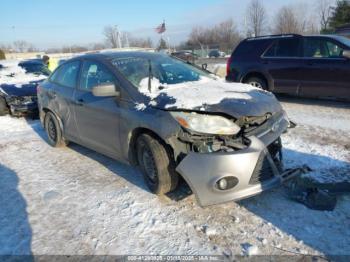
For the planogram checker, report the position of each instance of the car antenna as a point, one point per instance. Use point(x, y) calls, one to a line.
point(150, 75)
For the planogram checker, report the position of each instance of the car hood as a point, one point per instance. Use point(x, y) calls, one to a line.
point(215, 96)
point(19, 89)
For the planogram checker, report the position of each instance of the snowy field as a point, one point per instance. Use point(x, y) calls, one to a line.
point(75, 201)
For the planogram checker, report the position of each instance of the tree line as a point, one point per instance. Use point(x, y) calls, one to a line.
point(323, 17)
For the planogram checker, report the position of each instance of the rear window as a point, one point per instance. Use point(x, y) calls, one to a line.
point(284, 48)
point(250, 49)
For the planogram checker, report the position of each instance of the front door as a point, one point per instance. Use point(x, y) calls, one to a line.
point(326, 73)
point(283, 63)
point(97, 118)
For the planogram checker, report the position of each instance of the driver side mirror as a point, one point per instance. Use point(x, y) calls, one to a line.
point(346, 54)
point(107, 89)
point(204, 66)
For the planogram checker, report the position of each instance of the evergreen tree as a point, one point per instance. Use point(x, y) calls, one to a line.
point(341, 14)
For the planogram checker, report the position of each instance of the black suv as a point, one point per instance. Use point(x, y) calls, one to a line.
point(309, 66)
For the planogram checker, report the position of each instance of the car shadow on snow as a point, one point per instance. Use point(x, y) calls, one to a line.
point(129, 173)
point(15, 229)
point(314, 228)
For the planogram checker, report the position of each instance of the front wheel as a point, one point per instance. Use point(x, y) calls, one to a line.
point(53, 130)
point(156, 165)
point(257, 82)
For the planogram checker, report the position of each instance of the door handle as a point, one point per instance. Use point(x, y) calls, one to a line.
point(53, 94)
point(79, 102)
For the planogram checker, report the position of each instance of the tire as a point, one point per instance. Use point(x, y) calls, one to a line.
point(53, 131)
point(157, 166)
point(257, 82)
point(3, 107)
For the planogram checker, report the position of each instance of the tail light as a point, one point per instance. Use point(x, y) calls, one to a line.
point(228, 65)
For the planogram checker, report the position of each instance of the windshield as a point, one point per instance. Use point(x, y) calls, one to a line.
point(343, 40)
point(159, 70)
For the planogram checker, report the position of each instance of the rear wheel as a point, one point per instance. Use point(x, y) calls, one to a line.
point(53, 130)
point(156, 165)
point(3, 107)
point(257, 82)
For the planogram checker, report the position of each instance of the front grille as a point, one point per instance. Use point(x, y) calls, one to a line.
point(262, 171)
point(264, 127)
point(275, 150)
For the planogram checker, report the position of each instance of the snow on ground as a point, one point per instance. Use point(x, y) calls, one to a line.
point(13, 74)
point(75, 201)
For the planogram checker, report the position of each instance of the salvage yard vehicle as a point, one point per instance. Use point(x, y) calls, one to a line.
point(306, 66)
point(18, 101)
point(169, 118)
point(34, 66)
point(186, 55)
point(18, 82)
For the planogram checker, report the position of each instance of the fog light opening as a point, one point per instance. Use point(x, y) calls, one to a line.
point(222, 183)
point(226, 183)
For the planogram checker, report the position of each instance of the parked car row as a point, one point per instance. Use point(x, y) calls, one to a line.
point(18, 94)
point(308, 66)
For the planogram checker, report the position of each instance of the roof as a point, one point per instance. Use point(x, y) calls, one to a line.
point(292, 35)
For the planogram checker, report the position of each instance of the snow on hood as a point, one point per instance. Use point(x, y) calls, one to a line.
point(12, 74)
point(210, 95)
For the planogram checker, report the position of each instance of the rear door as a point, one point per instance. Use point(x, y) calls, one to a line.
point(283, 63)
point(97, 118)
point(64, 81)
point(326, 73)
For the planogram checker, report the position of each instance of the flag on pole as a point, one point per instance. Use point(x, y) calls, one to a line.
point(161, 28)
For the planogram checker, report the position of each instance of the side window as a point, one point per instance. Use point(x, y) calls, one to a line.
point(94, 74)
point(67, 74)
point(334, 50)
point(284, 48)
point(321, 48)
point(55, 75)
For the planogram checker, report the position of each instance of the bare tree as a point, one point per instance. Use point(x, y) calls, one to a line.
point(140, 42)
point(20, 46)
point(324, 8)
point(223, 35)
point(98, 46)
point(256, 18)
point(113, 37)
point(286, 22)
point(198, 37)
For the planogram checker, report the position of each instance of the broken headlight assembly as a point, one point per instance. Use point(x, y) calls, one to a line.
point(21, 100)
point(206, 124)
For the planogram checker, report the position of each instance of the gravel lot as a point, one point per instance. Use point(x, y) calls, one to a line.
point(75, 201)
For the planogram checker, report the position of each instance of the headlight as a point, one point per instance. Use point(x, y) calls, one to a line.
point(206, 124)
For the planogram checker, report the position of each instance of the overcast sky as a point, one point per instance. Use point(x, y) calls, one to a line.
point(55, 23)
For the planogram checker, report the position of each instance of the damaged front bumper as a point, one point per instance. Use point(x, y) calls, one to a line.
point(23, 106)
point(224, 176)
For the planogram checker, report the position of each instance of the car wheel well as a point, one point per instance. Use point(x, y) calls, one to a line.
point(255, 74)
point(136, 133)
point(46, 110)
